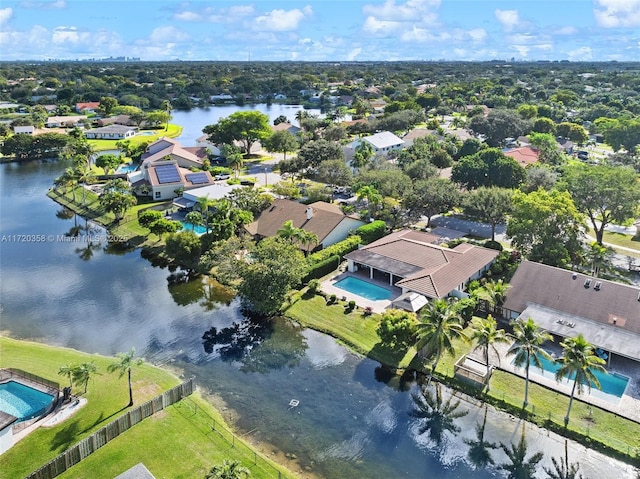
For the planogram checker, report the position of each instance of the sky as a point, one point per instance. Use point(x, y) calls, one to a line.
point(321, 30)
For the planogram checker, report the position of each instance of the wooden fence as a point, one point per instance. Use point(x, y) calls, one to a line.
point(112, 430)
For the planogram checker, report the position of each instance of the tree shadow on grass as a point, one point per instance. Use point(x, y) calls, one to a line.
point(70, 435)
point(387, 354)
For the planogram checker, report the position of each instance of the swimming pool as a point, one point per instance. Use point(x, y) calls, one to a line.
point(147, 133)
point(363, 288)
point(23, 401)
point(611, 383)
point(198, 229)
point(127, 168)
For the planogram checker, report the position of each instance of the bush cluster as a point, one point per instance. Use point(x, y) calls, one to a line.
point(373, 231)
point(339, 249)
point(326, 266)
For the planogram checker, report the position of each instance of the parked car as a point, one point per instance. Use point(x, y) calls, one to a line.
point(583, 155)
point(222, 176)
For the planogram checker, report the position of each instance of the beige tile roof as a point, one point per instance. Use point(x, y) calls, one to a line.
point(323, 221)
point(425, 268)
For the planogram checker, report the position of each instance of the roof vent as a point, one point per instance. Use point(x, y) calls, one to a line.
point(309, 213)
point(587, 283)
point(574, 275)
point(598, 285)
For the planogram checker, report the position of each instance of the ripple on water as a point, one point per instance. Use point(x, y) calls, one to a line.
point(382, 417)
point(351, 449)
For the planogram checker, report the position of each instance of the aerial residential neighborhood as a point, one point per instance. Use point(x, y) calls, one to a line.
point(349, 248)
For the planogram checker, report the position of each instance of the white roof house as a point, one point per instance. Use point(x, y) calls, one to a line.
point(24, 130)
point(382, 142)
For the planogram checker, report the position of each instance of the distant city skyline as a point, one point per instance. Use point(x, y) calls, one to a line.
point(299, 30)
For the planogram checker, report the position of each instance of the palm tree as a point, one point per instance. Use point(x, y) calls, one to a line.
point(438, 326)
point(291, 233)
point(83, 372)
point(235, 162)
point(438, 416)
point(528, 338)
point(194, 218)
point(562, 469)
point(363, 153)
point(125, 363)
point(580, 361)
point(307, 239)
point(205, 203)
point(497, 294)
point(85, 176)
point(371, 195)
point(67, 370)
point(228, 470)
point(486, 333)
point(166, 106)
point(519, 467)
point(479, 453)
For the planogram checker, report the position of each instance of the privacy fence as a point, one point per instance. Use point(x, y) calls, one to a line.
point(112, 430)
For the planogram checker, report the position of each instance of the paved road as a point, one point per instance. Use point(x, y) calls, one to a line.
point(483, 230)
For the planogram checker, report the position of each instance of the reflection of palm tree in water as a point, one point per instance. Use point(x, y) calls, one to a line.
point(519, 467)
point(479, 453)
point(439, 416)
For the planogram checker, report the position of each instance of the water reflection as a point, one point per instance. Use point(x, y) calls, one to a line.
point(480, 449)
point(518, 466)
point(437, 416)
point(257, 344)
point(202, 290)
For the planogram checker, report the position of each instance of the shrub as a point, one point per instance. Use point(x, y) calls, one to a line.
point(352, 304)
point(372, 231)
point(332, 299)
point(340, 249)
point(318, 270)
point(492, 245)
point(314, 284)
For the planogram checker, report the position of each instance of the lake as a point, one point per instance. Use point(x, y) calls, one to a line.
point(353, 419)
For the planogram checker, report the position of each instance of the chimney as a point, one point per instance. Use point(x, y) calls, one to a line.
point(309, 213)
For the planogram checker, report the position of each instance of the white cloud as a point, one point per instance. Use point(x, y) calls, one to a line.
point(508, 18)
point(617, 13)
point(5, 15)
point(580, 54)
point(407, 11)
point(168, 34)
point(566, 31)
point(521, 49)
point(385, 27)
point(68, 35)
point(282, 20)
point(351, 56)
point(215, 15)
point(477, 34)
point(43, 5)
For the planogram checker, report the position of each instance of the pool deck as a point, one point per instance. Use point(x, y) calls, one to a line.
point(376, 306)
point(627, 406)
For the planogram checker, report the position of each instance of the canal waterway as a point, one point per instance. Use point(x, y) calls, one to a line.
point(353, 418)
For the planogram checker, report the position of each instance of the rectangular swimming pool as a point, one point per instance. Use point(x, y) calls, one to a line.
point(197, 229)
point(610, 383)
point(22, 401)
point(362, 288)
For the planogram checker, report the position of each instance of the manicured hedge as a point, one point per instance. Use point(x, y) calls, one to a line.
point(339, 249)
point(326, 266)
point(372, 231)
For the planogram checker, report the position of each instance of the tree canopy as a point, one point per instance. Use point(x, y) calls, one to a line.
point(246, 127)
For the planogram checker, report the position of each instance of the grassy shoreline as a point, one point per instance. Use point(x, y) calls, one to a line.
point(591, 426)
point(177, 442)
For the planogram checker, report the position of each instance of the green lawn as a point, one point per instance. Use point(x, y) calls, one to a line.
point(546, 407)
point(172, 132)
point(354, 329)
point(177, 442)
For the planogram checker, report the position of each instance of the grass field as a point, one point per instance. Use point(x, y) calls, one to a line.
point(172, 132)
point(546, 407)
point(178, 442)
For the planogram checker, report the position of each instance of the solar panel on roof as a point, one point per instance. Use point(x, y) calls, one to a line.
point(167, 174)
point(197, 178)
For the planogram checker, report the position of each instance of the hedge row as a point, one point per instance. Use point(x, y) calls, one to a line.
point(326, 266)
point(339, 249)
point(372, 231)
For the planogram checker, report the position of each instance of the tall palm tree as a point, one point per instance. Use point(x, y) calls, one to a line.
point(235, 162)
point(166, 106)
point(228, 470)
point(308, 239)
point(487, 335)
point(439, 417)
point(497, 291)
point(438, 326)
point(194, 218)
point(529, 338)
point(67, 370)
point(519, 467)
point(363, 153)
point(479, 454)
point(124, 365)
point(372, 196)
point(580, 361)
point(205, 203)
point(83, 372)
point(562, 469)
point(85, 176)
point(291, 233)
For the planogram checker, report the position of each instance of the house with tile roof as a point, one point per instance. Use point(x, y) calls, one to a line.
point(382, 142)
point(111, 132)
point(409, 260)
point(567, 303)
point(326, 220)
point(87, 107)
point(167, 167)
point(284, 126)
point(524, 155)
